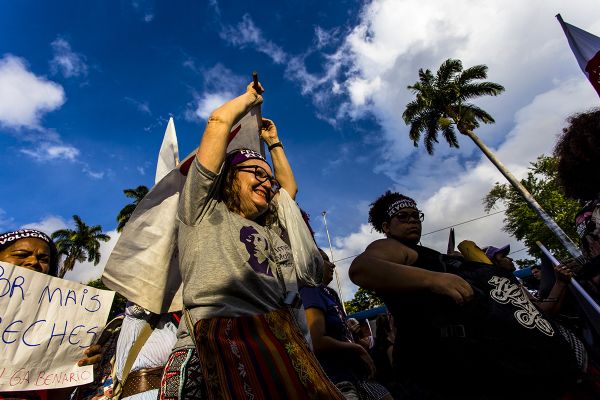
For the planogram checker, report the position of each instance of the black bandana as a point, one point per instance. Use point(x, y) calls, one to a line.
point(399, 205)
point(8, 238)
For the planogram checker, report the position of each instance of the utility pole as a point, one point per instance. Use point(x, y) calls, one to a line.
point(337, 277)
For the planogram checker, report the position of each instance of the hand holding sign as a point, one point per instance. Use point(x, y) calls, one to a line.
point(45, 322)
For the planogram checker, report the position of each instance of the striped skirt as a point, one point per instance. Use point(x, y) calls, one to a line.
point(259, 357)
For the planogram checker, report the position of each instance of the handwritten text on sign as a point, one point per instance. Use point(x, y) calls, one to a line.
point(45, 323)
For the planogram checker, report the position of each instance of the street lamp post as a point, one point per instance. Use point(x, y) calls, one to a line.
point(337, 278)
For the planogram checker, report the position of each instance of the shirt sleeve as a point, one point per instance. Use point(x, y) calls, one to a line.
point(313, 298)
point(198, 195)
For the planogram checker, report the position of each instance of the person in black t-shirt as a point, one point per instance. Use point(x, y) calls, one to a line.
point(464, 330)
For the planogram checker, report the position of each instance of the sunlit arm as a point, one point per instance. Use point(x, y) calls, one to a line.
point(213, 145)
point(281, 165)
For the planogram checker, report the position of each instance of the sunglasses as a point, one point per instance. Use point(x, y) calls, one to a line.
point(407, 216)
point(261, 176)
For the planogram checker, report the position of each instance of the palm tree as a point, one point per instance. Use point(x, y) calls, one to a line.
point(442, 103)
point(137, 195)
point(79, 244)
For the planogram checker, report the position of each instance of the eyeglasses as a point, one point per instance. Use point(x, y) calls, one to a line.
point(407, 216)
point(261, 176)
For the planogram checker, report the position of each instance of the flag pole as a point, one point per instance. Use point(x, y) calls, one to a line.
point(337, 277)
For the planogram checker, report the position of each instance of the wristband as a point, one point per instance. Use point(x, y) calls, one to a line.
point(278, 144)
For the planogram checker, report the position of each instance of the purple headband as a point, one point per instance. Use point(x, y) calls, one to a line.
point(9, 237)
point(239, 156)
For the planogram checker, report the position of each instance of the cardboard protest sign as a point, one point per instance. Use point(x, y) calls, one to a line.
point(45, 323)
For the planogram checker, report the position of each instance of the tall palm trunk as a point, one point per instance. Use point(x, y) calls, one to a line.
point(550, 223)
point(68, 265)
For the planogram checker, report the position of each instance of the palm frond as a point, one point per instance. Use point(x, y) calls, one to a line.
point(471, 73)
point(471, 90)
point(137, 194)
point(447, 70)
point(450, 135)
point(417, 126)
point(431, 129)
point(479, 114)
point(412, 110)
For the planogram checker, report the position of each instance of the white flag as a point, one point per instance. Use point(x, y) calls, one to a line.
point(168, 157)
point(586, 48)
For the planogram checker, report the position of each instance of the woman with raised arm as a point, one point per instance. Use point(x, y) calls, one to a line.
point(232, 260)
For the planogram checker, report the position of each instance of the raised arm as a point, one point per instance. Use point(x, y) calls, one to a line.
point(282, 169)
point(213, 145)
point(384, 267)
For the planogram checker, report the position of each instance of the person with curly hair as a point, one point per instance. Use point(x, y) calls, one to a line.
point(578, 153)
point(460, 325)
point(239, 337)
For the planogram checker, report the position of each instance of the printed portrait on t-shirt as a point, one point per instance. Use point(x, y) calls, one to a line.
point(258, 250)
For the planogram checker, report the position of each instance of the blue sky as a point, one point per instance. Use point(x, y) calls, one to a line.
point(86, 90)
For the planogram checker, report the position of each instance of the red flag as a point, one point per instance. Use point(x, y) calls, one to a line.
point(586, 48)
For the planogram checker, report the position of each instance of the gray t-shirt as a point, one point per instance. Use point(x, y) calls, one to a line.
point(227, 262)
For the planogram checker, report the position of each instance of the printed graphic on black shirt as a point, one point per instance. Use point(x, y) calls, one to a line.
point(526, 314)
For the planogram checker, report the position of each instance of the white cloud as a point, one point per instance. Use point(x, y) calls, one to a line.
point(25, 97)
point(214, 4)
point(65, 61)
point(247, 34)
point(87, 271)
point(324, 38)
point(48, 224)
point(93, 174)
point(207, 102)
point(46, 151)
point(5, 221)
point(219, 85)
point(144, 9)
point(141, 106)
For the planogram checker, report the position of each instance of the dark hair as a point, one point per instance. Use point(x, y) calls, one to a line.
point(53, 263)
point(230, 195)
point(578, 153)
point(378, 211)
point(382, 329)
point(306, 219)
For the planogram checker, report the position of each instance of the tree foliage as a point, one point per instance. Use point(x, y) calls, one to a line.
point(522, 222)
point(137, 195)
point(118, 305)
point(442, 102)
point(79, 244)
point(363, 300)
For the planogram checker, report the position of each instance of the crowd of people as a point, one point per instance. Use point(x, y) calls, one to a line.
point(259, 323)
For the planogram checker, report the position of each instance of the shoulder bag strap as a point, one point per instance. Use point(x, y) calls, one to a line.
point(137, 346)
point(190, 327)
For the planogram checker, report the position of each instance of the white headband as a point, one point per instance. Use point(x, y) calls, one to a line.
point(400, 204)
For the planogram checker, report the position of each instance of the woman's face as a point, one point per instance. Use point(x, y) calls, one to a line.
point(30, 253)
point(254, 195)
